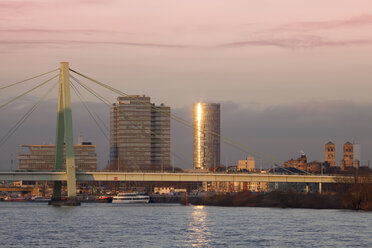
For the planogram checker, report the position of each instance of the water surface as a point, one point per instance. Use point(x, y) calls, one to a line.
point(160, 225)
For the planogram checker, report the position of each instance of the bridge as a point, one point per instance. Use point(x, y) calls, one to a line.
point(165, 177)
point(64, 139)
point(169, 177)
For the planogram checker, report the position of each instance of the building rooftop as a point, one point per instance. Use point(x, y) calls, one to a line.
point(55, 145)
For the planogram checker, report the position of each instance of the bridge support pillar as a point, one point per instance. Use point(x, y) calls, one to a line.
point(64, 137)
point(320, 188)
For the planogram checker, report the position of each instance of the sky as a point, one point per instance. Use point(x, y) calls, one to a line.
point(290, 74)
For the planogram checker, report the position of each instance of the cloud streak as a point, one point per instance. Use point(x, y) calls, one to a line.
point(58, 31)
point(11, 6)
point(297, 43)
point(359, 21)
point(308, 42)
point(85, 42)
point(270, 39)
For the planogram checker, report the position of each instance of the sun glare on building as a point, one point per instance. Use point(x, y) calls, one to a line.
point(199, 117)
point(206, 135)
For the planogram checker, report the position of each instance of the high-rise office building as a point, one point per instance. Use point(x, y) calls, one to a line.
point(160, 137)
point(139, 135)
point(330, 153)
point(206, 135)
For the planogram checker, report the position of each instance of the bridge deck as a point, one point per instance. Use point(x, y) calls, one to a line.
point(164, 177)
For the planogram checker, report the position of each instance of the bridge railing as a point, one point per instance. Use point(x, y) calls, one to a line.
point(198, 172)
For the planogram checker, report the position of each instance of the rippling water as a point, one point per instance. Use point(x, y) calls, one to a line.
point(158, 225)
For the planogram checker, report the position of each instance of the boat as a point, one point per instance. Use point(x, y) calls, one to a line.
point(40, 199)
point(16, 199)
point(104, 199)
point(134, 197)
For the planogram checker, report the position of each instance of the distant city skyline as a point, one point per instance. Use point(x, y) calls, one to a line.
point(282, 138)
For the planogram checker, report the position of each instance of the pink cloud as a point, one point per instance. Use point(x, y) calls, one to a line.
point(10, 6)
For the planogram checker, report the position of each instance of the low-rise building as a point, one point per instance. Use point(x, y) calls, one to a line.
point(246, 165)
point(299, 163)
point(41, 157)
point(304, 165)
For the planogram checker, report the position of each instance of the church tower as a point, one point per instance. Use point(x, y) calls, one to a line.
point(330, 154)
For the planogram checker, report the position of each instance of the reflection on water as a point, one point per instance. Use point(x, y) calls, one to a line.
point(198, 231)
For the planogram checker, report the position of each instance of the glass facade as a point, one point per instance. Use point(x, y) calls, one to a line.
point(206, 135)
point(139, 135)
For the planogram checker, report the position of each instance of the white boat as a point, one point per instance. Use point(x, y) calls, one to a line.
point(131, 198)
point(40, 199)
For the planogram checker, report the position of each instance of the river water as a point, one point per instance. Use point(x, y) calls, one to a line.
point(159, 225)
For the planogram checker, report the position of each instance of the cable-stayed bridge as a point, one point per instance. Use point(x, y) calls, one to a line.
point(64, 139)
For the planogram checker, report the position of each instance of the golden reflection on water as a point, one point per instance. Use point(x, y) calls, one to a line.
point(198, 231)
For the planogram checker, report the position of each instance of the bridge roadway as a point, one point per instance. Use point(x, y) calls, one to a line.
point(164, 177)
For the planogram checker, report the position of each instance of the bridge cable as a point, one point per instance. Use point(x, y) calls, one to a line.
point(179, 119)
point(4, 87)
point(87, 108)
point(186, 123)
point(174, 117)
point(101, 98)
point(224, 139)
point(136, 124)
point(77, 92)
point(25, 93)
point(84, 100)
point(90, 112)
point(189, 124)
point(25, 117)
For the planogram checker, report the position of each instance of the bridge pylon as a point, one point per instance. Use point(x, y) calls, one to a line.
point(64, 136)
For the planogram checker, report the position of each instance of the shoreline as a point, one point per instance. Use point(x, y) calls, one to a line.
point(277, 199)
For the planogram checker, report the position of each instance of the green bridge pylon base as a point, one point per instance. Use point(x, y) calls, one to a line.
point(64, 136)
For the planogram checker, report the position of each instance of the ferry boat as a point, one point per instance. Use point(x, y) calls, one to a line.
point(16, 199)
point(131, 198)
point(40, 199)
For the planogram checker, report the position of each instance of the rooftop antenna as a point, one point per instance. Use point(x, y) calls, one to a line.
point(80, 139)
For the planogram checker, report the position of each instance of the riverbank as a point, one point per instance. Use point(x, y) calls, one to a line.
point(280, 200)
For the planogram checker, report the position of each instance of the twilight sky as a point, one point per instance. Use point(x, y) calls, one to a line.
point(284, 68)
